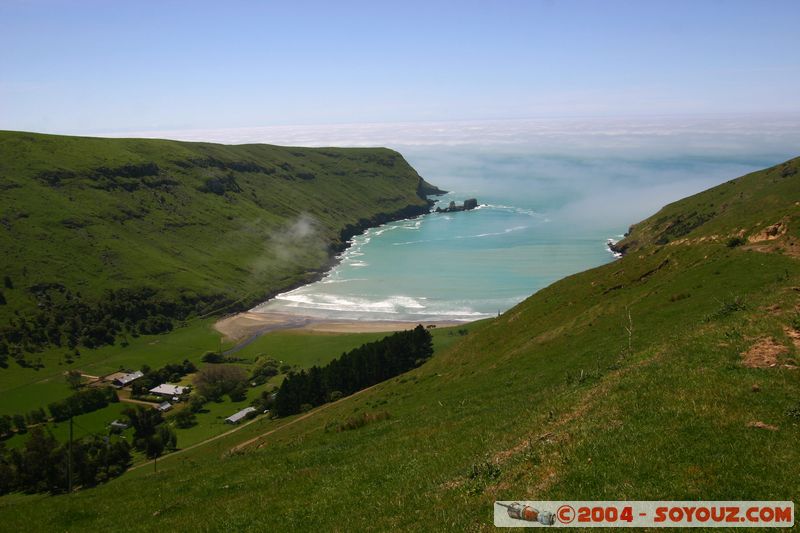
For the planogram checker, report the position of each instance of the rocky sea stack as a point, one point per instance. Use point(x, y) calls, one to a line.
point(469, 204)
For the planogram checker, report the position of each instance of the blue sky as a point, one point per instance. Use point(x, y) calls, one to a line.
point(85, 66)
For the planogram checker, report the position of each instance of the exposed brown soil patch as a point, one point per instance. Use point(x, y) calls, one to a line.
point(769, 233)
point(764, 353)
point(788, 246)
point(794, 335)
point(758, 424)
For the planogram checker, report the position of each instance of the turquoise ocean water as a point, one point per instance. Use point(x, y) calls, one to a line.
point(460, 266)
point(552, 192)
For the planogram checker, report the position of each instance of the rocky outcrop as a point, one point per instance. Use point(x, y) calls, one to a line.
point(469, 204)
point(621, 247)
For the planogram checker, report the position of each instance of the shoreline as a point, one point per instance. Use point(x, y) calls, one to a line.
point(246, 327)
point(335, 252)
point(243, 319)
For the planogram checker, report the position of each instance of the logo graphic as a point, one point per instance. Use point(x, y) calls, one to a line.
point(644, 514)
point(527, 513)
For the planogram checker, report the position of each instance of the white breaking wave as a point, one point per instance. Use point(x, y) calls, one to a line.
point(612, 241)
point(513, 209)
point(478, 236)
point(397, 307)
point(508, 230)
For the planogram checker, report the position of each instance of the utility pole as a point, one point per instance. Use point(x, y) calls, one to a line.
point(69, 459)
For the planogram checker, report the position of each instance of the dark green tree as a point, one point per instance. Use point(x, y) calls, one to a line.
point(183, 419)
point(19, 423)
point(144, 422)
point(40, 465)
point(5, 425)
point(74, 379)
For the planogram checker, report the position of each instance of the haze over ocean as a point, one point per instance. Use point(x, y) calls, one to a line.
point(552, 193)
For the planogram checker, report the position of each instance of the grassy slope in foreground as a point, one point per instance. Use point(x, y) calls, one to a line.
point(233, 222)
point(552, 400)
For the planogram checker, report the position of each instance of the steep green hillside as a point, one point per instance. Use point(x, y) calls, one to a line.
point(754, 208)
point(176, 229)
point(669, 374)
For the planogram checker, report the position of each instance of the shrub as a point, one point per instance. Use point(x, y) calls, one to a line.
point(19, 423)
point(84, 401)
point(580, 377)
point(196, 403)
point(212, 357)
point(336, 395)
point(264, 369)
point(37, 416)
point(5, 425)
point(239, 393)
point(480, 475)
point(733, 242)
point(74, 379)
point(727, 308)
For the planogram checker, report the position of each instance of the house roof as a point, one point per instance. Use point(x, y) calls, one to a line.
point(168, 390)
point(164, 406)
point(241, 414)
point(127, 378)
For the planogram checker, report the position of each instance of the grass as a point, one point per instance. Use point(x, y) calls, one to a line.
point(305, 348)
point(163, 230)
point(309, 348)
point(94, 423)
point(300, 349)
point(723, 214)
point(24, 389)
point(211, 421)
point(95, 214)
point(661, 408)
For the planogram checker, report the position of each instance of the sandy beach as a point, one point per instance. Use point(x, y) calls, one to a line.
point(250, 324)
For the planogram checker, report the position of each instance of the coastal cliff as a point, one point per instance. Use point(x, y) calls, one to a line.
point(178, 229)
